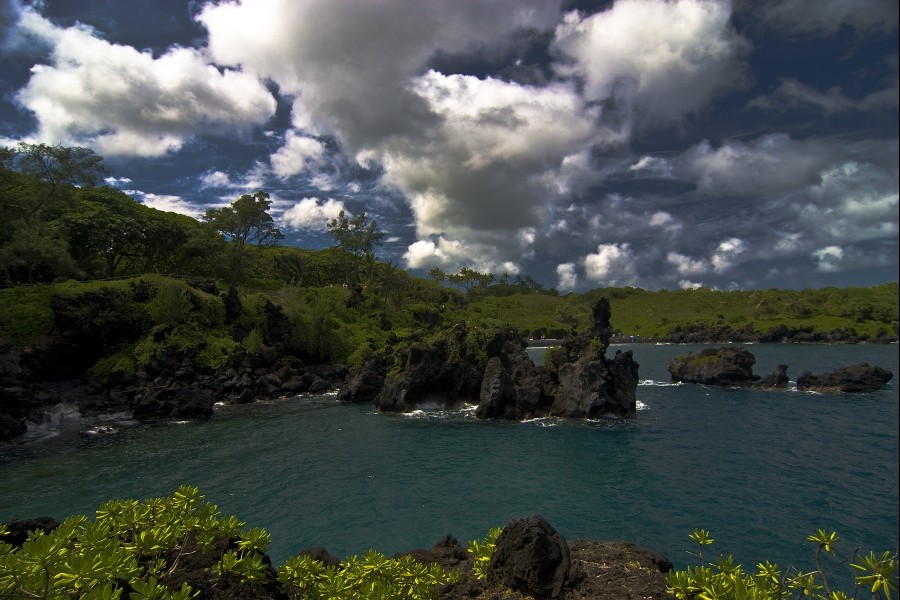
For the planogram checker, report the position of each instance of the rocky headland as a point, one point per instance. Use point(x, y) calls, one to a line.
point(175, 383)
point(577, 381)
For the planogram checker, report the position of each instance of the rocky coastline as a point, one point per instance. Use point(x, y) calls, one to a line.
point(497, 375)
point(701, 333)
point(488, 368)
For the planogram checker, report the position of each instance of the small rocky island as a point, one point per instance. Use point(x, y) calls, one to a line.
point(577, 381)
point(727, 367)
point(733, 367)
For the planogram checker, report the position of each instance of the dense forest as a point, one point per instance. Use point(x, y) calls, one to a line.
point(63, 233)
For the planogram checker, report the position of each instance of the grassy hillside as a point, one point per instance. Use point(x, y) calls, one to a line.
point(869, 310)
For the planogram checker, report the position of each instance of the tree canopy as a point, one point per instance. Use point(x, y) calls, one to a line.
point(357, 235)
point(246, 220)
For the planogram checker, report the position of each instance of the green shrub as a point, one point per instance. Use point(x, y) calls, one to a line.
point(215, 352)
point(25, 313)
point(128, 542)
point(253, 342)
point(171, 304)
point(132, 544)
point(371, 576)
point(721, 579)
point(482, 551)
point(212, 347)
point(120, 364)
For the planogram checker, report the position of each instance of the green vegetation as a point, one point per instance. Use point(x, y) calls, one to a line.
point(721, 579)
point(867, 310)
point(371, 576)
point(138, 550)
point(137, 546)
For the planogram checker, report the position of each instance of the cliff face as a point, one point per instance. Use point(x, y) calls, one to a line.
point(578, 381)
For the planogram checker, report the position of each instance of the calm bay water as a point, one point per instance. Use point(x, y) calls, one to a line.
point(761, 469)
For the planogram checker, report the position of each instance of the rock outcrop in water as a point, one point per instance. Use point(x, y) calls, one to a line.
point(501, 379)
point(728, 366)
point(733, 367)
point(862, 377)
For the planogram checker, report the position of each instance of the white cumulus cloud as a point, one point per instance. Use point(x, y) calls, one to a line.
point(122, 101)
point(567, 276)
point(664, 59)
point(167, 203)
point(726, 254)
point(772, 163)
point(828, 259)
point(612, 264)
point(685, 265)
point(311, 213)
point(297, 153)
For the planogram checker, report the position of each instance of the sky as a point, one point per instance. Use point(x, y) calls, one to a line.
point(659, 144)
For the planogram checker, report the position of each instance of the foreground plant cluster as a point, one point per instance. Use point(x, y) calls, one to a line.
point(132, 548)
point(148, 550)
point(722, 579)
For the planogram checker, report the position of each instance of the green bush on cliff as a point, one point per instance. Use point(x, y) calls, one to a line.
point(209, 347)
point(25, 314)
point(171, 304)
point(118, 365)
point(722, 579)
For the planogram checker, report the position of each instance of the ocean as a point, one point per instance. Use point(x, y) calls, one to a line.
point(761, 470)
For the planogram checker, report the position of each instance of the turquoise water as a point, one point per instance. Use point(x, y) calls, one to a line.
point(762, 470)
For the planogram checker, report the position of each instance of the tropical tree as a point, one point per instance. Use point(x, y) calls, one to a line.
point(437, 274)
point(52, 171)
point(245, 221)
point(392, 281)
point(106, 231)
point(36, 253)
point(358, 235)
point(357, 238)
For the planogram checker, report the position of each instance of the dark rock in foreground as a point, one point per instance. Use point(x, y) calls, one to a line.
point(533, 560)
point(531, 557)
point(728, 366)
point(18, 529)
point(862, 377)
